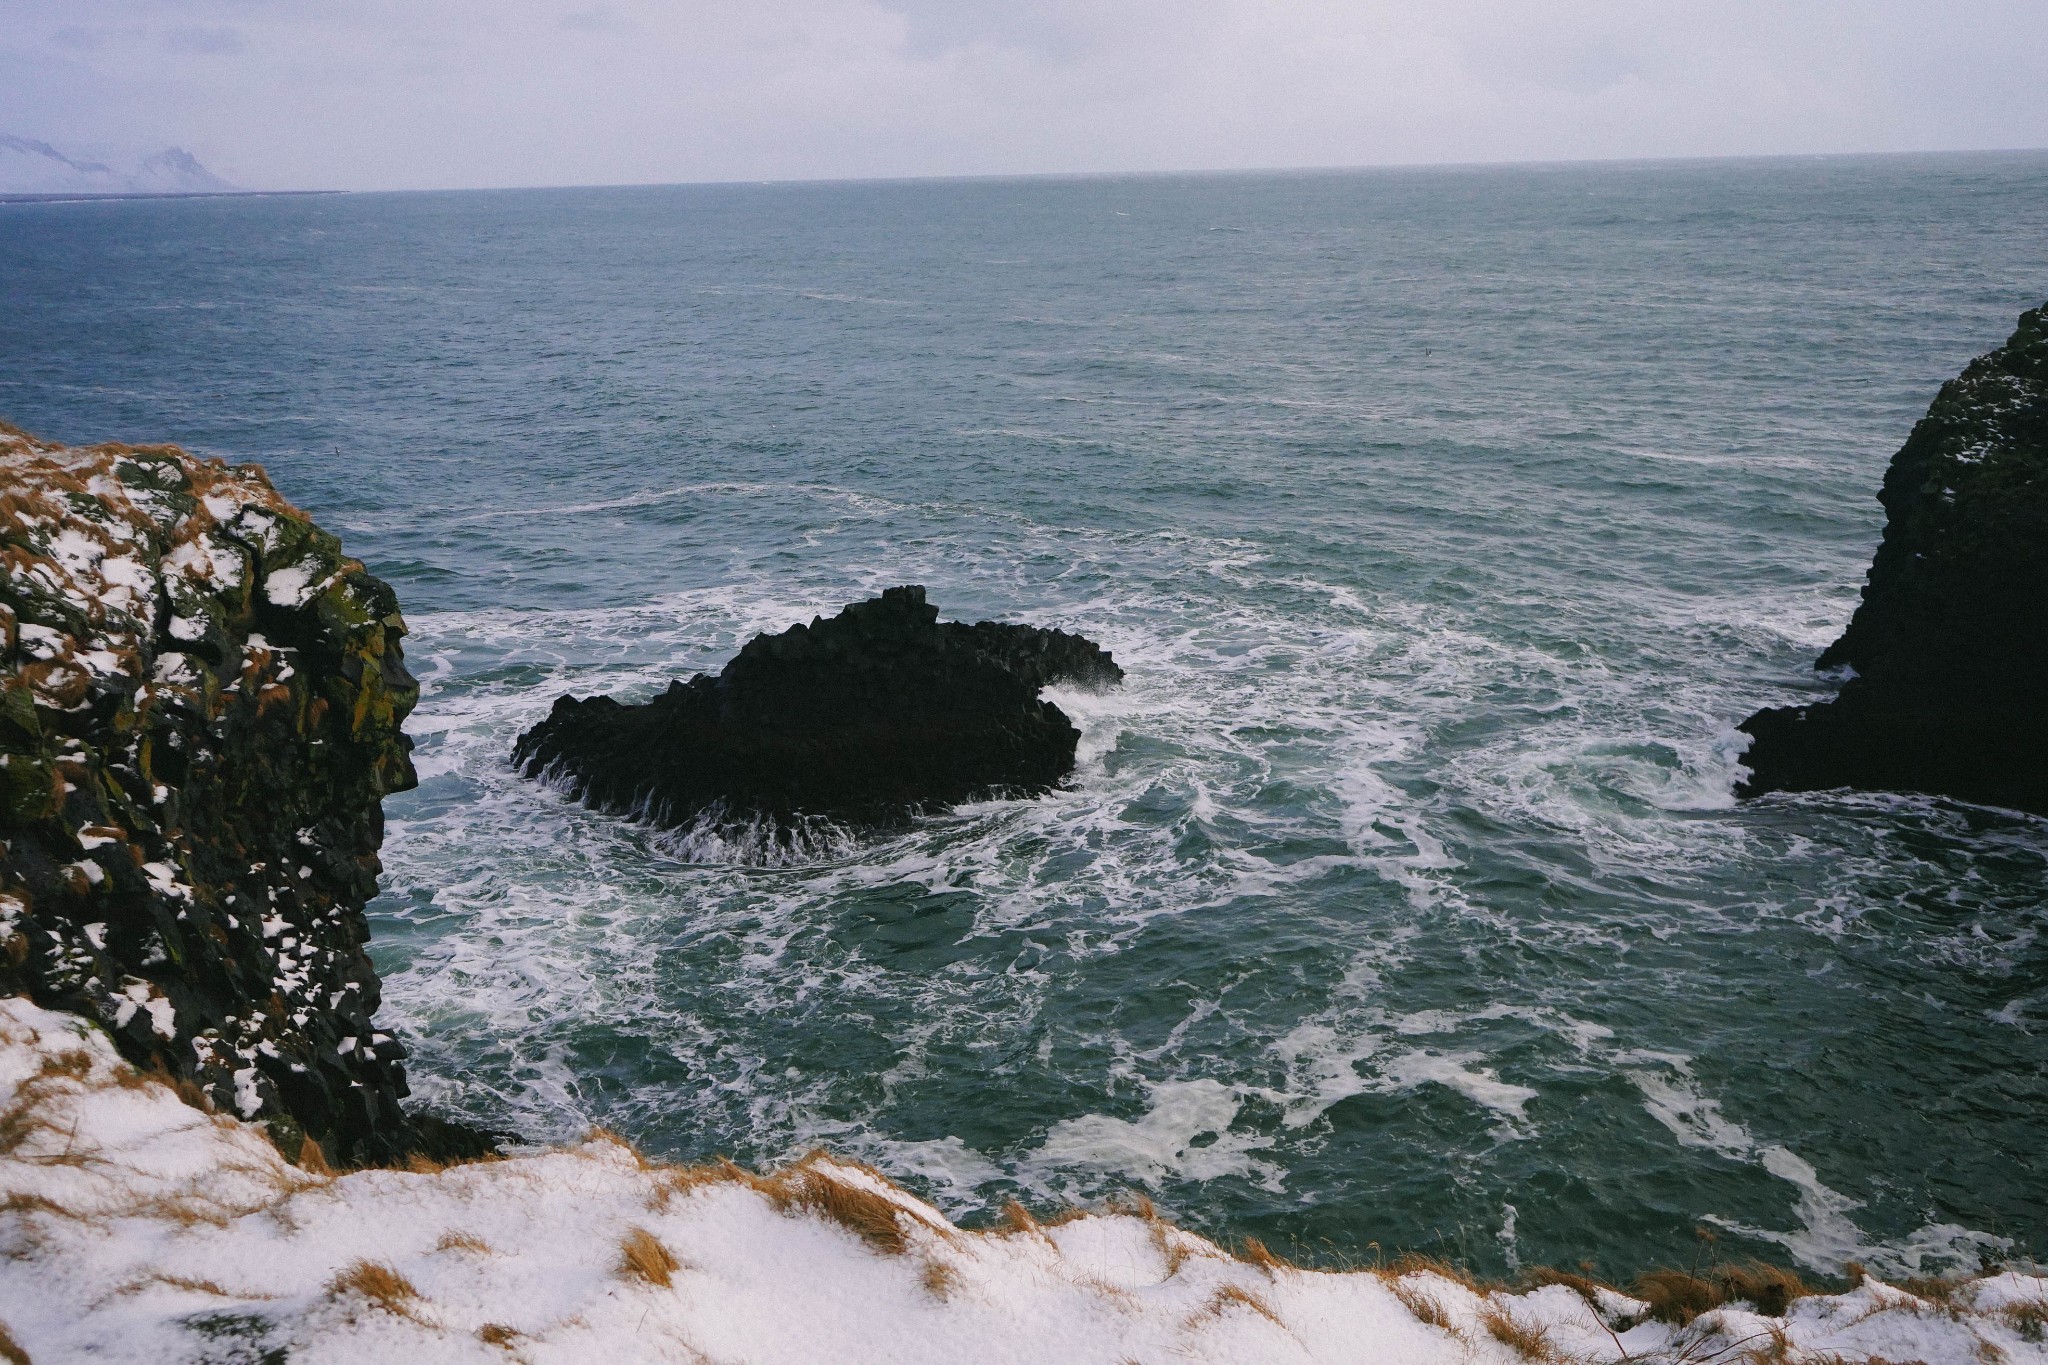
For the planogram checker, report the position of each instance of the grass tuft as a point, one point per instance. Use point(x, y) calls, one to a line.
point(1254, 1252)
point(1948, 1295)
point(1530, 1343)
point(1775, 1350)
point(463, 1241)
point(1416, 1263)
point(1421, 1305)
point(1231, 1296)
point(623, 1143)
point(379, 1284)
point(313, 1158)
point(643, 1257)
point(868, 1214)
point(497, 1334)
point(197, 1286)
point(2028, 1318)
point(939, 1279)
point(1166, 1241)
point(10, 1350)
point(1679, 1296)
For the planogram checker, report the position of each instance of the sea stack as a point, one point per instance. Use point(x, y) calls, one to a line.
point(200, 700)
point(862, 718)
point(1947, 657)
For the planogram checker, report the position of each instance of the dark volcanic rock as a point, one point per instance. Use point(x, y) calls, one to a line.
point(200, 701)
point(1950, 645)
point(864, 718)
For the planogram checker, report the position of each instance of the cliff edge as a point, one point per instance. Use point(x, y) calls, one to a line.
point(1947, 656)
point(200, 701)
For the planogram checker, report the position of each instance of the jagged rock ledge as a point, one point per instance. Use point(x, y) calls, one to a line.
point(863, 718)
point(1947, 656)
point(200, 702)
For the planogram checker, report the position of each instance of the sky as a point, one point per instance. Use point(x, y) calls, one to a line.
point(397, 94)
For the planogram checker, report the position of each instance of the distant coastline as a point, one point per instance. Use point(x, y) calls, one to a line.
point(75, 196)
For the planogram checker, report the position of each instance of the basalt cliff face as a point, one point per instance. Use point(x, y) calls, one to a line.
point(1949, 649)
point(867, 716)
point(200, 701)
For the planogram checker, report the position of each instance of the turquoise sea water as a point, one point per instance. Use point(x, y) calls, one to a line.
point(1446, 522)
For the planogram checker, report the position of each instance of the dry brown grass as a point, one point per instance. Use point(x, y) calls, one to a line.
point(939, 1279)
point(1530, 1343)
point(10, 1350)
point(1585, 1286)
point(23, 1119)
point(1254, 1252)
point(1775, 1349)
point(1137, 1205)
point(670, 1181)
point(1416, 1263)
point(1947, 1294)
point(869, 1215)
point(1231, 1296)
point(463, 1241)
point(184, 1211)
point(1422, 1305)
point(623, 1143)
point(1116, 1295)
point(1017, 1218)
point(1169, 1246)
point(497, 1334)
point(643, 1257)
point(313, 1158)
point(377, 1284)
point(2028, 1318)
point(1679, 1296)
point(196, 1286)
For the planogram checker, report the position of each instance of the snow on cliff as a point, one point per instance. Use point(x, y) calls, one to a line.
point(134, 1227)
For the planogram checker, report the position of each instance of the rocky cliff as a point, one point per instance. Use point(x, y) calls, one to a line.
point(1948, 653)
point(863, 717)
point(200, 701)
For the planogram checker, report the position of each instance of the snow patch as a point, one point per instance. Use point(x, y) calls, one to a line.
point(153, 1225)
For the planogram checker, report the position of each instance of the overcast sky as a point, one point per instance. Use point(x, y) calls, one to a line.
point(420, 93)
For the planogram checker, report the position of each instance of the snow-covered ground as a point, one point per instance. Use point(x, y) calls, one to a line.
point(134, 1227)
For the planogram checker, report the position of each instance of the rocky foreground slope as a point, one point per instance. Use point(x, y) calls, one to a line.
point(1949, 649)
point(200, 701)
point(134, 1229)
point(861, 718)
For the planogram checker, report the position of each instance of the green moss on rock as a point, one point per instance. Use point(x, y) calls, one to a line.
point(201, 701)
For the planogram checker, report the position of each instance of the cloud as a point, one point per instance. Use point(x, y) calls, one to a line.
point(78, 39)
point(208, 42)
point(400, 93)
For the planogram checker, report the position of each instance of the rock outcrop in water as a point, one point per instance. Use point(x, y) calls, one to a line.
point(200, 701)
point(873, 714)
point(1949, 649)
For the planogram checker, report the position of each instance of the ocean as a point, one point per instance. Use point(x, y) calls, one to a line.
point(1446, 522)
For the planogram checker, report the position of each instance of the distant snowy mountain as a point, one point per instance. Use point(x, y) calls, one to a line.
point(31, 167)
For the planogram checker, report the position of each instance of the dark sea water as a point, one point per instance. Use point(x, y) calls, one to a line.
point(1446, 522)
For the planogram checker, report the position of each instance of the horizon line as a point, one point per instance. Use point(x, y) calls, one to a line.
point(999, 176)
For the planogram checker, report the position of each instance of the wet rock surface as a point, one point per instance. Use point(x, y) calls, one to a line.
point(1949, 649)
point(863, 718)
point(200, 702)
